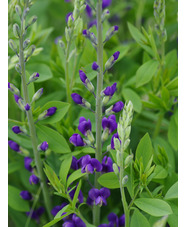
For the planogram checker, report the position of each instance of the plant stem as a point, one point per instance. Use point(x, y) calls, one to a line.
point(98, 115)
point(132, 201)
point(122, 191)
point(32, 126)
point(67, 73)
point(148, 191)
point(158, 125)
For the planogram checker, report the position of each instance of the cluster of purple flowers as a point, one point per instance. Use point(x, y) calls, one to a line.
point(114, 221)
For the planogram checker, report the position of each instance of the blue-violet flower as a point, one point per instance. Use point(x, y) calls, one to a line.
point(89, 165)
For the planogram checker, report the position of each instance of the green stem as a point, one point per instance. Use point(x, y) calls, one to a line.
point(98, 115)
point(158, 125)
point(33, 207)
point(67, 79)
point(141, 5)
point(132, 201)
point(148, 191)
point(122, 190)
point(32, 129)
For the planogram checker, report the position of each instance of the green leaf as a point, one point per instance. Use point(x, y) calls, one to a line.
point(44, 71)
point(74, 176)
point(160, 172)
point(144, 150)
point(172, 192)
point(15, 166)
point(15, 201)
point(173, 218)
point(140, 38)
point(131, 95)
point(109, 180)
point(154, 207)
point(173, 84)
point(59, 213)
point(145, 72)
point(64, 169)
point(76, 194)
point(139, 220)
point(52, 177)
point(56, 141)
point(51, 223)
point(171, 63)
point(62, 108)
point(173, 132)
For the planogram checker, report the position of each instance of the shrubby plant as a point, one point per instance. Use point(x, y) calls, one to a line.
point(103, 159)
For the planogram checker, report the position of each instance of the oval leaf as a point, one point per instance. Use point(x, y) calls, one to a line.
point(154, 207)
point(172, 192)
point(139, 220)
point(146, 72)
point(56, 141)
point(109, 180)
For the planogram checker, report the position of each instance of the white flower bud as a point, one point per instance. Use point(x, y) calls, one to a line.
point(125, 180)
point(115, 168)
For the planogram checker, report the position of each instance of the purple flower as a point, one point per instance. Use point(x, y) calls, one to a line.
point(27, 107)
point(117, 107)
point(14, 146)
point(85, 32)
point(112, 140)
point(33, 179)
point(27, 163)
point(115, 221)
point(80, 196)
point(25, 195)
point(56, 209)
point(36, 213)
point(116, 55)
point(106, 3)
point(89, 165)
point(109, 123)
point(92, 23)
point(82, 76)
point(88, 10)
point(16, 97)
point(57, 39)
point(77, 98)
point(109, 91)
point(84, 126)
point(74, 222)
point(76, 163)
point(107, 165)
point(44, 146)
point(77, 140)
point(95, 66)
point(16, 129)
point(51, 111)
point(69, 15)
point(116, 29)
point(99, 196)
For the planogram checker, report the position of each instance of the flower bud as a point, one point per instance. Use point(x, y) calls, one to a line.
point(111, 32)
point(26, 43)
point(128, 160)
point(105, 15)
point(18, 68)
point(16, 129)
point(67, 34)
point(127, 131)
point(77, 140)
point(33, 77)
point(33, 179)
point(90, 137)
point(126, 144)
point(37, 95)
point(95, 66)
point(125, 180)
point(117, 144)
point(86, 81)
point(16, 30)
point(31, 21)
point(13, 89)
point(70, 20)
point(43, 146)
point(27, 107)
point(111, 60)
point(105, 101)
point(47, 113)
point(115, 168)
point(12, 45)
point(14, 146)
point(61, 44)
point(25, 195)
point(105, 135)
point(25, 12)
point(90, 35)
point(30, 51)
point(18, 10)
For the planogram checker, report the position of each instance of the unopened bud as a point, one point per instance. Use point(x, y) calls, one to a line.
point(37, 95)
point(18, 10)
point(90, 137)
point(67, 33)
point(127, 132)
point(111, 32)
point(30, 51)
point(105, 15)
point(105, 100)
point(82, 8)
point(117, 144)
point(115, 168)
point(12, 45)
point(128, 160)
point(111, 60)
point(125, 180)
point(18, 68)
point(126, 144)
point(25, 12)
point(90, 35)
point(87, 104)
point(26, 43)
point(31, 21)
point(61, 44)
point(105, 135)
point(21, 104)
point(33, 77)
point(16, 30)
point(13, 89)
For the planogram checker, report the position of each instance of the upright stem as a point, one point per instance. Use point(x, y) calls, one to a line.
point(32, 126)
point(98, 115)
point(67, 73)
point(124, 202)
